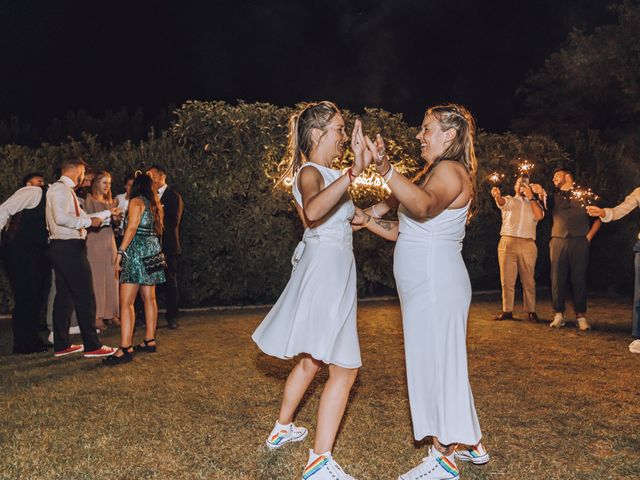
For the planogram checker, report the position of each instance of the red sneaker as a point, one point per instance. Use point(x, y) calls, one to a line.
point(70, 349)
point(103, 351)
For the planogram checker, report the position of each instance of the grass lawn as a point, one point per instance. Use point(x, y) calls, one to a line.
point(553, 404)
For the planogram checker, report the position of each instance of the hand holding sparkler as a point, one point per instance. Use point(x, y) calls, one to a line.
point(594, 211)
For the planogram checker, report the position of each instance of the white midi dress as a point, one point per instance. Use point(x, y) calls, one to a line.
point(316, 312)
point(435, 294)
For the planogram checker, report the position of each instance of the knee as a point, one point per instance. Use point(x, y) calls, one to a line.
point(310, 366)
point(345, 375)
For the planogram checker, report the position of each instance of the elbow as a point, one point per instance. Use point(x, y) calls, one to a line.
point(311, 215)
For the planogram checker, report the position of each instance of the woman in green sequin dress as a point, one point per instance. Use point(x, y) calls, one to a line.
point(143, 229)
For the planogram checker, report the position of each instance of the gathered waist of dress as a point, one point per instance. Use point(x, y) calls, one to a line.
point(342, 236)
point(430, 237)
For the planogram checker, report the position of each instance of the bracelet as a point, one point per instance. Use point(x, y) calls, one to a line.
point(122, 252)
point(385, 173)
point(350, 173)
point(368, 222)
point(390, 172)
point(374, 214)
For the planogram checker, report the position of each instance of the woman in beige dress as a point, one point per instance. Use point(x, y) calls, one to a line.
point(101, 250)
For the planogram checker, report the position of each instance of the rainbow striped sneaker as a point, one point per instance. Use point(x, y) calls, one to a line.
point(324, 467)
point(283, 434)
point(434, 467)
point(476, 455)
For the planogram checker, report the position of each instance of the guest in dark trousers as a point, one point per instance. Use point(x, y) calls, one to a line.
point(67, 224)
point(173, 208)
point(24, 254)
point(571, 234)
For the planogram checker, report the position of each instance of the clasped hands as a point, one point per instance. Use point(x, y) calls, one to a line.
point(365, 150)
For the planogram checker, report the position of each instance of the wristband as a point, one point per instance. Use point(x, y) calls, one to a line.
point(390, 173)
point(374, 214)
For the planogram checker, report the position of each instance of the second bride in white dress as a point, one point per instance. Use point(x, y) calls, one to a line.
point(316, 314)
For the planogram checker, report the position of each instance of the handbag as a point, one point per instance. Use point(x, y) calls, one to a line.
point(155, 263)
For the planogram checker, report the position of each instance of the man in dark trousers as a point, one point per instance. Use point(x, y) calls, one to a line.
point(24, 254)
point(571, 234)
point(173, 208)
point(67, 224)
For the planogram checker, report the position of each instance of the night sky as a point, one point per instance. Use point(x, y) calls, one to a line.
point(400, 55)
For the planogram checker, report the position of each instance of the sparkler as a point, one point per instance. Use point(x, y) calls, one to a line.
point(584, 195)
point(525, 168)
point(495, 178)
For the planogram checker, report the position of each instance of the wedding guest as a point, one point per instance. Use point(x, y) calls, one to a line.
point(24, 255)
point(141, 266)
point(173, 207)
point(67, 224)
point(517, 250)
point(571, 234)
point(631, 202)
point(315, 316)
point(434, 287)
point(101, 252)
point(122, 202)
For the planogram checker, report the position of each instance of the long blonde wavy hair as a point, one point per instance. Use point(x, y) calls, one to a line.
point(461, 148)
point(301, 124)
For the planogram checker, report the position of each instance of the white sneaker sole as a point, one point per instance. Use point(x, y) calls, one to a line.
point(482, 460)
point(97, 355)
point(271, 446)
point(63, 354)
point(556, 325)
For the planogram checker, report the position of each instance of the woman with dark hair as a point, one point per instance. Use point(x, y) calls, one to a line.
point(315, 316)
point(101, 251)
point(433, 285)
point(141, 266)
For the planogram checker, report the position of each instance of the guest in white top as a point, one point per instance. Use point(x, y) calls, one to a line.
point(607, 215)
point(67, 224)
point(517, 250)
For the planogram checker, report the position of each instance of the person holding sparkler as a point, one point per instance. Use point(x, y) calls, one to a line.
point(517, 250)
point(607, 215)
point(571, 234)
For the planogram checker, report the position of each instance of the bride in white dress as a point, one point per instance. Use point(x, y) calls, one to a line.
point(434, 287)
point(316, 313)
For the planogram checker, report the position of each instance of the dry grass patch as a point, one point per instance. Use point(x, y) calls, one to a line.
point(552, 404)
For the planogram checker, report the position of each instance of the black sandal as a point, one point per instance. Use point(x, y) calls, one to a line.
point(126, 357)
point(146, 347)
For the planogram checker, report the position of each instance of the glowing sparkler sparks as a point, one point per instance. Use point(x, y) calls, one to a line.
point(584, 195)
point(495, 178)
point(525, 167)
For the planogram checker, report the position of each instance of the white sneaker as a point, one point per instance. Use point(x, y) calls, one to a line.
point(434, 467)
point(476, 455)
point(283, 434)
point(583, 324)
point(324, 467)
point(558, 320)
point(634, 347)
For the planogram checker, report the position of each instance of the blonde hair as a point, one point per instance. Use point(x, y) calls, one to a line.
point(301, 124)
point(108, 197)
point(461, 148)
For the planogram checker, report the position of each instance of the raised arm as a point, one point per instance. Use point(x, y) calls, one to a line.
point(445, 184)
point(26, 197)
point(318, 199)
point(631, 202)
point(387, 229)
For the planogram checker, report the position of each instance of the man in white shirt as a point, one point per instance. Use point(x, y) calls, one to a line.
point(67, 224)
point(24, 255)
point(517, 250)
point(630, 203)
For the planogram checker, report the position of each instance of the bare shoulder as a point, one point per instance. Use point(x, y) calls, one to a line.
point(309, 177)
point(136, 203)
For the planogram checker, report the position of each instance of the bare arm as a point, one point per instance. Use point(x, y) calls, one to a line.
point(316, 200)
point(595, 226)
point(134, 215)
point(381, 208)
point(536, 208)
point(387, 229)
point(497, 196)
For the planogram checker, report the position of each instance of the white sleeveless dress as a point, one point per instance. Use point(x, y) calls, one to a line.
point(435, 294)
point(316, 312)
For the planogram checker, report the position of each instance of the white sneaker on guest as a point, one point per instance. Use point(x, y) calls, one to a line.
point(434, 467)
point(476, 455)
point(634, 347)
point(558, 320)
point(583, 324)
point(324, 467)
point(283, 434)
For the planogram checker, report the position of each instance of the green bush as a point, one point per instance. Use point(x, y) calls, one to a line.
point(239, 232)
